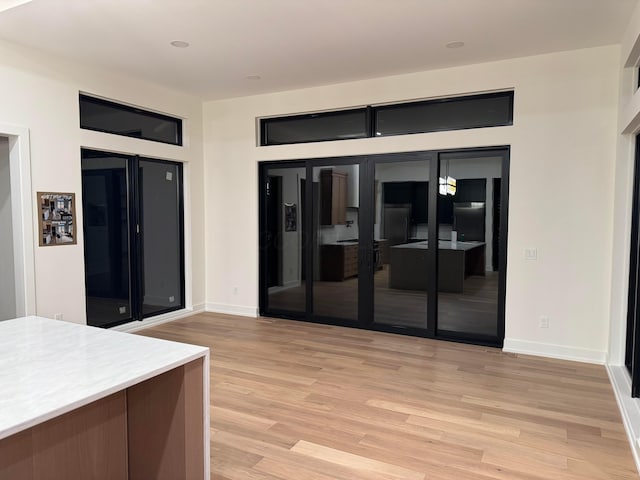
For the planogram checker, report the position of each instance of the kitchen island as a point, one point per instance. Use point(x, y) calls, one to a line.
point(408, 265)
point(82, 402)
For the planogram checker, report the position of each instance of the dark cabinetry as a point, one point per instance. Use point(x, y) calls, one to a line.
point(409, 193)
point(468, 190)
point(415, 194)
point(333, 197)
point(339, 262)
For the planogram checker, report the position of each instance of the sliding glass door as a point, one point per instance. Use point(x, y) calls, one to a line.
point(402, 284)
point(161, 262)
point(470, 252)
point(335, 242)
point(283, 236)
point(410, 243)
point(133, 237)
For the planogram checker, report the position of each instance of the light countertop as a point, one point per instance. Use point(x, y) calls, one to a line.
point(442, 245)
point(49, 367)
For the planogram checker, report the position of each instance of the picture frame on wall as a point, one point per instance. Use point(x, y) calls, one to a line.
point(57, 217)
point(290, 217)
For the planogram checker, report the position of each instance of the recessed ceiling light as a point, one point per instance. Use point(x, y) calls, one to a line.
point(180, 44)
point(253, 77)
point(455, 45)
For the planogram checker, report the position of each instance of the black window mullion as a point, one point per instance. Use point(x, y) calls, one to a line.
point(432, 252)
point(136, 239)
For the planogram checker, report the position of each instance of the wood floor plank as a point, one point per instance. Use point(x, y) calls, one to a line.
point(356, 462)
point(293, 401)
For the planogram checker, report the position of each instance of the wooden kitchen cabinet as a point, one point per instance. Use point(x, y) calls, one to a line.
point(333, 197)
point(101, 405)
point(339, 262)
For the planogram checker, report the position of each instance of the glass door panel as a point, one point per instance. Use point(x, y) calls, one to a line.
point(133, 237)
point(161, 236)
point(336, 241)
point(469, 216)
point(401, 243)
point(284, 239)
point(105, 200)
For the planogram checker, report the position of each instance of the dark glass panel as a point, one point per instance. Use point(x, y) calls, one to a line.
point(105, 203)
point(336, 245)
point(468, 280)
point(401, 241)
point(447, 114)
point(110, 117)
point(161, 236)
point(318, 127)
point(286, 276)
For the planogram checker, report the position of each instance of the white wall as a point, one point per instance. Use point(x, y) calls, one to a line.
point(563, 145)
point(628, 125)
point(7, 277)
point(40, 92)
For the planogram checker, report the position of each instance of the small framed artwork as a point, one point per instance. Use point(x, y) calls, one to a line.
point(290, 217)
point(57, 218)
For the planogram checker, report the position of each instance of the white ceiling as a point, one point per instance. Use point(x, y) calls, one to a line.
point(300, 43)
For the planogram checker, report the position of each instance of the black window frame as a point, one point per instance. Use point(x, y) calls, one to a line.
point(371, 115)
point(83, 97)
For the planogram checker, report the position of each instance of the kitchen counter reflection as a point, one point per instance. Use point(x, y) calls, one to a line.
point(442, 245)
point(409, 265)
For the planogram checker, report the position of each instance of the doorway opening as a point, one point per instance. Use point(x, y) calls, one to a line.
point(410, 243)
point(17, 284)
point(7, 260)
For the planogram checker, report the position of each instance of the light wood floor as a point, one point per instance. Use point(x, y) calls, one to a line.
point(298, 401)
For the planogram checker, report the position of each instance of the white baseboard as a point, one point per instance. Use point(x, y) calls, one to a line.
point(232, 309)
point(629, 407)
point(199, 307)
point(554, 351)
point(158, 319)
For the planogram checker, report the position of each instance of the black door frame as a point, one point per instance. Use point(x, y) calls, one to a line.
point(136, 233)
point(365, 264)
point(632, 344)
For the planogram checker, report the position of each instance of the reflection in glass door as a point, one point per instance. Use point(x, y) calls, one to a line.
point(284, 234)
point(107, 243)
point(408, 242)
point(336, 241)
point(160, 219)
point(401, 243)
point(133, 237)
point(469, 216)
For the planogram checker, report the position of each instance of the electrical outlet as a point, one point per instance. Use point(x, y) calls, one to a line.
point(531, 253)
point(544, 321)
point(57, 316)
point(235, 290)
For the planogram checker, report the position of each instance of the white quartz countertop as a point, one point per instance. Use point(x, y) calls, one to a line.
point(49, 367)
point(442, 245)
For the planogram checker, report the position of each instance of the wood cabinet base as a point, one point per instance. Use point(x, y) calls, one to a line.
point(153, 430)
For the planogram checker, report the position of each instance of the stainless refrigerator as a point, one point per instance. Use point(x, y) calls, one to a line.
point(396, 223)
